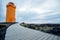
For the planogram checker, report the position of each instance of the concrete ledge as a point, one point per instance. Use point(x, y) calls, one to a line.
point(3, 28)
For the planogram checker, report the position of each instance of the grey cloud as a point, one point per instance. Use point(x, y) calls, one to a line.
point(26, 15)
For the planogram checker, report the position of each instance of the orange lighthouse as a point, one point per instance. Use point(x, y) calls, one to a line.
point(10, 12)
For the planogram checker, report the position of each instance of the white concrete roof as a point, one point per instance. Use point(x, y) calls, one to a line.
point(17, 32)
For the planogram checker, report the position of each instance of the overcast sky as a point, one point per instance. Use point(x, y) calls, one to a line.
point(33, 11)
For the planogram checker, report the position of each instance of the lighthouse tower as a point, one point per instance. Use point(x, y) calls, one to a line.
point(10, 12)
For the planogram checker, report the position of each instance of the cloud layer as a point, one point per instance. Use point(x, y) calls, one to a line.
point(36, 11)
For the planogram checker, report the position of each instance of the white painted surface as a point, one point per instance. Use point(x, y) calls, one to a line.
point(17, 32)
